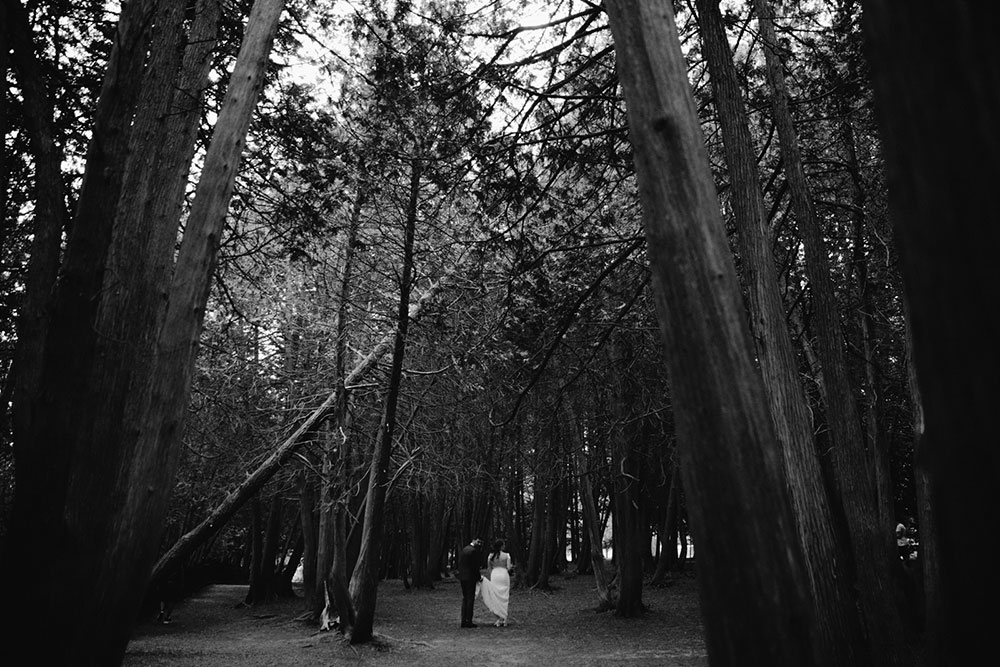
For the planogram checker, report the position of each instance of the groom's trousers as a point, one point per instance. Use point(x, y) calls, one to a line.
point(468, 600)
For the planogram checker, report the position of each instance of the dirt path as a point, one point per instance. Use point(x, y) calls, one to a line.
point(420, 629)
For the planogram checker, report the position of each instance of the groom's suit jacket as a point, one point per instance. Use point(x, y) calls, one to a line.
point(469, 564)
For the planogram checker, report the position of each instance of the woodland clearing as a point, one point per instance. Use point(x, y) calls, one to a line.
point(555, 628)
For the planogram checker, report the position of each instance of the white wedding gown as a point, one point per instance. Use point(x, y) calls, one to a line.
point(495, 591)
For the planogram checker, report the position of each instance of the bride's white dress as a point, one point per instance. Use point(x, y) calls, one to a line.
point(495, 591)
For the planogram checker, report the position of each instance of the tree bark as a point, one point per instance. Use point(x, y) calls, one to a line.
point(40, 533)
point(929, 557)
point(595, 541)
point(668, 535)
point(84, 510)
point(871, 542)
point(540, 496)
point(875, 435)
point(840, 631)
point(625, 482)
point(364, 580)
point(331, 507)
point(737, 490)
point(418, 536)
point(937, 101)
point(263, 573)
point(547, 534)
point(308, 516)
point(326, 533)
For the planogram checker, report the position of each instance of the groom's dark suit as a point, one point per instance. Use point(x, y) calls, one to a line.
point(469, 564)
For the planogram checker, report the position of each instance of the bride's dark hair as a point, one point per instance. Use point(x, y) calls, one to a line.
point(497, 546)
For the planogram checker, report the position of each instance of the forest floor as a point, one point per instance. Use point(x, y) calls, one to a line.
point(556, 628)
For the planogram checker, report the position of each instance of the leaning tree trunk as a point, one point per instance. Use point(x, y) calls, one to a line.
point(281, 454)
point(871, 542)
point(938, 100)
point(740, 507)
point(364, 580)
point(840, 632)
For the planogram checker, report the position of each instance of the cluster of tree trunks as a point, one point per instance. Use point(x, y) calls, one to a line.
point(104, 377)
point(714, 379)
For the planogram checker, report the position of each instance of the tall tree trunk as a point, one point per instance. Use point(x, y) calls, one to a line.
point(332, 509)
point(668, 535)
point(875, 435)
point(328, 487)
point(733, 473)
point(627, 545)
point(364, 580)
point(929, 553)
point(437, 545)
point(548, 535)
point(540, 497)
point(625, 482)
point(308, 516)
point(418, 533)
point(255, 542)
point(839, 633)
point(871, 542)
point(262, 574)
point(40, 533)
point(285, 587)
point(337, 581)
point(595, 540)
point(937, 100)
point(101, 522)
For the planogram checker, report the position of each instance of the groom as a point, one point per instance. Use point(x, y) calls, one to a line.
point(469, 563)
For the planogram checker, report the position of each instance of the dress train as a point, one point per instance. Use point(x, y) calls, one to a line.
point(495, 592)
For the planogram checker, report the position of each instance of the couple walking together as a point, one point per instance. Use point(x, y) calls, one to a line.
point(495, 591)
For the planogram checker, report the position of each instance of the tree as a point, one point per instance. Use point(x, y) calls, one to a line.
point(724, 430)
point(936, 95)
point(870, 541)
point(364, 580)
point(840, 631)
point(120, 396)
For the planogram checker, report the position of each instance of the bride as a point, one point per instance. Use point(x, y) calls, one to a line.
point(496, 590)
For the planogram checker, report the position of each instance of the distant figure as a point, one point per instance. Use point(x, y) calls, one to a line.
point(469, 562)
point(906, 540)
point(496, 589)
